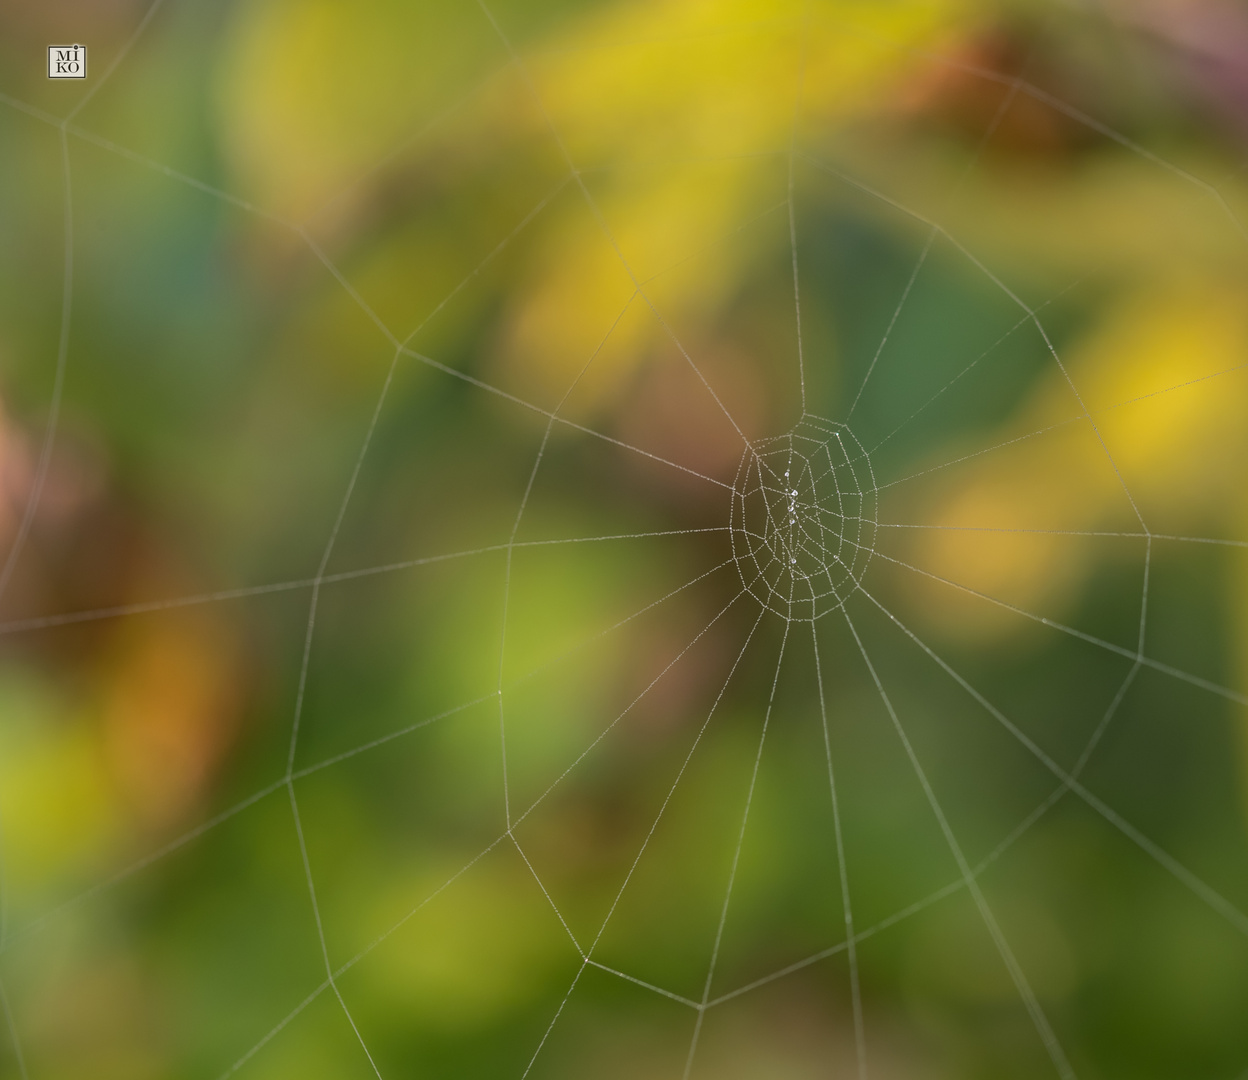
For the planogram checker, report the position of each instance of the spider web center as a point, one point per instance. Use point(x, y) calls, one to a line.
point(804, 518)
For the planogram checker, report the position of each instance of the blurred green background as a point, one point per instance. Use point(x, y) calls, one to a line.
point(558, 242)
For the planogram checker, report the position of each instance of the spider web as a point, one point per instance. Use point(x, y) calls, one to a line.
point(773, 644)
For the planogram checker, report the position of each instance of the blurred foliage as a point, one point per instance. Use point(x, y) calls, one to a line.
point(265, 198)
